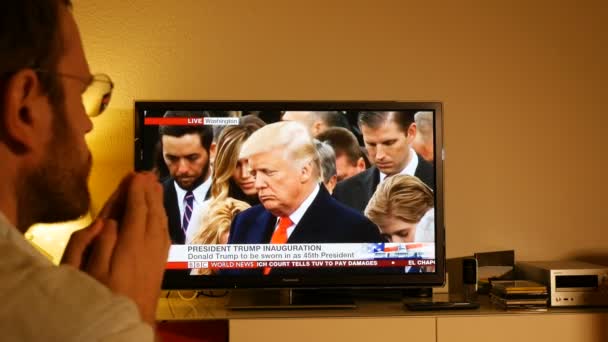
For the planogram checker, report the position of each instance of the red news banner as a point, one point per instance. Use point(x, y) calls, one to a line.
point(203, 121)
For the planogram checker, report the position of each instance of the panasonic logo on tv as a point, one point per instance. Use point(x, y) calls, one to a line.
point(290, 280)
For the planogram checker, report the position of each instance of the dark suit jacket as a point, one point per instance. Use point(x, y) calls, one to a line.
point(356, 191)
point(325, 221)
point(171, 207)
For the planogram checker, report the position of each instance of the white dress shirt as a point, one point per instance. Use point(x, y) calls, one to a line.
point(44, 302)
point(425, 230)
point(297, 215)
point(200, 192)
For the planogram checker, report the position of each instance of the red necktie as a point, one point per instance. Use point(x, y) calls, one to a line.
point(280, 235)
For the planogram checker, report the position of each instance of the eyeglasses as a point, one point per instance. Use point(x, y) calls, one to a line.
point(98, 93)
point(96, 96)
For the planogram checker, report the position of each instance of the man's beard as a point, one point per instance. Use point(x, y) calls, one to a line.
point(200, 180)
point(57, 189)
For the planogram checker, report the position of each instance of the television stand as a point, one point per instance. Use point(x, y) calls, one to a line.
point(422, 292)
point(290, 299)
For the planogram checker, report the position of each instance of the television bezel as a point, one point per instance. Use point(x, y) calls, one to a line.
point(178, 279)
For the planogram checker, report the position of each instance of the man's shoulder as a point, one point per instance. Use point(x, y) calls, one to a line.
point(338, 211)
point(252, 213)
point(362, 179)
point(81, 306)
point(247, 225)
point(347, 224)
point(167, 183)
point(425, 171)
point(424, 165)
point(16, 260)
point(343, 213)
point(168, 186)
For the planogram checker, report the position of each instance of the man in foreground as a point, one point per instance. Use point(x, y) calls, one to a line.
point(108, 286)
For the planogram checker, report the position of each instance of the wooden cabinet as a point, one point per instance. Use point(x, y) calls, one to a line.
point(554, 327)
point(419, 329)
point(583, 327)
point(388, 321)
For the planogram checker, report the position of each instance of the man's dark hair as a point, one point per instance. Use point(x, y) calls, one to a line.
point(375, 119)
point(204, 132)
point(30, 38)
point(343, 142)
point(333, 119)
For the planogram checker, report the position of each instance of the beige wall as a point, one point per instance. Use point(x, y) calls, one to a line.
point(523, 87)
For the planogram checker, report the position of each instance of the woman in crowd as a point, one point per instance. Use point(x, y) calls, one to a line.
point(230, 176)
point(232, 188)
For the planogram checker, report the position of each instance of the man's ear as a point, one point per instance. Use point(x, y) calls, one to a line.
point(306, 173)
point(317, 126)
point(331, 184)
point(411, 133)
point(21, 98)
point(360, 165)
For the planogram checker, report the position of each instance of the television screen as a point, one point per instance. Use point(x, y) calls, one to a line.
point(297, 194)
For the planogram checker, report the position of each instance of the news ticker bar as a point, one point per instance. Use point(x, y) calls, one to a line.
point(301, 252)
point(203, 121)
point(226, 265)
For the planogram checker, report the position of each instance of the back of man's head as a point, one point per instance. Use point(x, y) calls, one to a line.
point(327, 158)
point(343, 142)
point(424, 124)
point(333, 119)
point(205, 132)
point(30, 37)
point(423, 143)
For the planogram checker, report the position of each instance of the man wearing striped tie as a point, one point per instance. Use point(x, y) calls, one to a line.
point(186, 152)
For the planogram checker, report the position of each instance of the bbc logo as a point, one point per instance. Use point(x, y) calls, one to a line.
point(198, 264)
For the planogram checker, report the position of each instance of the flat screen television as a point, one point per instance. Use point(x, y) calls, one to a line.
point(254, 201)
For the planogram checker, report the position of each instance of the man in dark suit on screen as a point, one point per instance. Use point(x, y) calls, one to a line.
point(185, 151)
point(294, 208)
point(388, 137)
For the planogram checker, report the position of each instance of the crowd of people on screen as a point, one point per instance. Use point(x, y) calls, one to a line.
point(310, 177)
